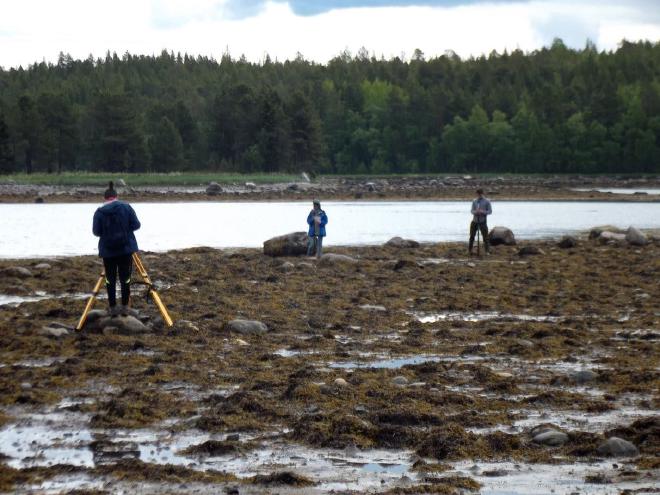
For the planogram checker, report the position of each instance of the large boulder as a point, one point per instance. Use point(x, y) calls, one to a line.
point(213, 189)
point(293, 244)
point(399, 242)
point(636, 237)
point(247, 327)
point(530, 251)
point(501, 235)
point(607, 237)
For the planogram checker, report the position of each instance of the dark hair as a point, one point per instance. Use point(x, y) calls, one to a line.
point(480, 191)
point(110, 191)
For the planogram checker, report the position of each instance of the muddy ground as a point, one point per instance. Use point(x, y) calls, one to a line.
point(410, 371)
point(532, 188)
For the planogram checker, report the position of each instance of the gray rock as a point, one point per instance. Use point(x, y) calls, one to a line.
point(568, 241)
point(336, 259)
point(250, 185)
point(185, 326)
point(398, 242)
point(373, 307)
point(56, 332)
point(501, 235)
point(247, 327)
point(617, 447)
point(287, 266)
point(293, 187)
point(400, 380)
point(584, 376)
point(42, 266)
point(16, 271)
point(636, 237)
point(530, 251)
point(340, 382)
point(129, 325)
point(293, 244)
point(614, 237)
point(551, 438)
point(213, 189)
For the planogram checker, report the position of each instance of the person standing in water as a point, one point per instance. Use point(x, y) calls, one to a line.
point(480, 210)
point(317, 219)
point(114, 224)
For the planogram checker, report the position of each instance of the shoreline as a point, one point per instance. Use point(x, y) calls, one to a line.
point(519, 188)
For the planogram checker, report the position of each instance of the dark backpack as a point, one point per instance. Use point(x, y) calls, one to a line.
point(114, 233)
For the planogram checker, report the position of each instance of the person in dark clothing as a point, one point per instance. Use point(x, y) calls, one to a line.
point(480, 210)
point(317, 219)
point(114, 224)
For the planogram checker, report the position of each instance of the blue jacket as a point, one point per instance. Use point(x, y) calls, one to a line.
point(310, 221)
point(127, 220)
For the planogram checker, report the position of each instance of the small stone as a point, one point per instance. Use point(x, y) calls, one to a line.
point(584, 376)
point(287, 266)
point(373, 307)
point(340, 382)
point(400, 380)
point(551, 438)
point(617, 447)
point(233, 437)
point(530, 251)
point(43, 266)
point(240, 342)
point(246, 327)
point(53, 332)
point(398, 242)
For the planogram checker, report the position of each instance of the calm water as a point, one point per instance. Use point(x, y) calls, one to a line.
point(42, 230)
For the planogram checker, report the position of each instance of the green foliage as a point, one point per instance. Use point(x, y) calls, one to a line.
point(553, 110)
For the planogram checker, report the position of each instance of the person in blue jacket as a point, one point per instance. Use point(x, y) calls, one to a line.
point(114, 224)
point(317, 219)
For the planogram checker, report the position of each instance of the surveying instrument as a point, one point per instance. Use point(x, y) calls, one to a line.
point(151, 291)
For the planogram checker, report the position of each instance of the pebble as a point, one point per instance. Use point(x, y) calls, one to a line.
point(400, 380)
point(340, 382)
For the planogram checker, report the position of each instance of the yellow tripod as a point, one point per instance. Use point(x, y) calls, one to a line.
point(147, 281)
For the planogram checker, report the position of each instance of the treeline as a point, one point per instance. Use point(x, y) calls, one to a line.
point(553, 110)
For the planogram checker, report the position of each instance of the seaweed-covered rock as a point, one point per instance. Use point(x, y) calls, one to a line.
point(398, 242)
point(636, 237)
point(617, 447)
point(247, 327)
point(16, 271)
point(501, 235)
point(530, 251)
point(567, 241)
point(332, 259)
point(611, 237)
point(293, 244)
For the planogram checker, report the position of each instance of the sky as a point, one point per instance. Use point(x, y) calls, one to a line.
point(36, 30)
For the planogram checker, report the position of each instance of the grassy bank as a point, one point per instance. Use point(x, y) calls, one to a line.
point(146, 179)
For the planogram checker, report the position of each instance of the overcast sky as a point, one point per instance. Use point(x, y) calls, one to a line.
point(36, 30)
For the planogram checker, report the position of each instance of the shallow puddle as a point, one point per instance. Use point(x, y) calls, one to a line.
point(479, 316)
point(399, 362)
point(9, 300)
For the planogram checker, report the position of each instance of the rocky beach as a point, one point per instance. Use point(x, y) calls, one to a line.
point(401, 368)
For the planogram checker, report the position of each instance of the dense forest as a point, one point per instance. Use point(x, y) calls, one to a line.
point(554, 110)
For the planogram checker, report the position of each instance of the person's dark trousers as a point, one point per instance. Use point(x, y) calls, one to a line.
point(122, 265)
point(483, 227)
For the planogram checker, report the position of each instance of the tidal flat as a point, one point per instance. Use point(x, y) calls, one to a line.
point(402, 370)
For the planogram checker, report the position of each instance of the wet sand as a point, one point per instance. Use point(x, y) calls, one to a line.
point(409, 371)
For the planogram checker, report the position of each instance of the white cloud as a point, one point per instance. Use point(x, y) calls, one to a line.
point(207, 27)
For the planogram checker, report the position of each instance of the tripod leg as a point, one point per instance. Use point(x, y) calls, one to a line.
point(90, 302)
point(478, 241)
point(154, 295)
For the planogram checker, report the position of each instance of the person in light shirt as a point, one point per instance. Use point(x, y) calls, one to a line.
point(480, 210)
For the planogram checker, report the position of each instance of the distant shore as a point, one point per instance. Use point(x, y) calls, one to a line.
point(457, 187)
